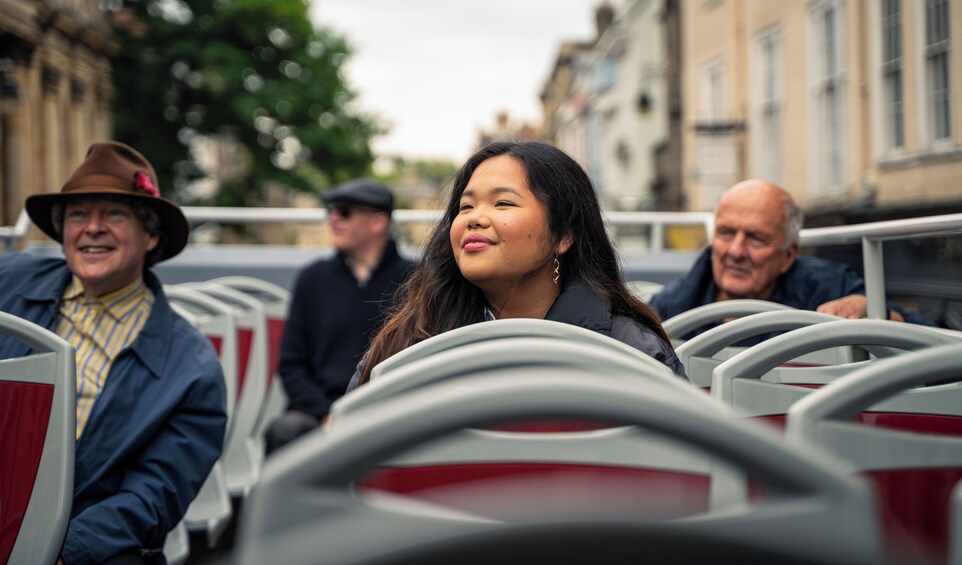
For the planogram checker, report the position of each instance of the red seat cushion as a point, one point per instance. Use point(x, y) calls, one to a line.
point(914, 504)
point(24, 415)
point(510, 488)
point(245, 339)
point(217, 342)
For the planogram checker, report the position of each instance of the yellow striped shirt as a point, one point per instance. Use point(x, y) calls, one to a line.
point(99, 329)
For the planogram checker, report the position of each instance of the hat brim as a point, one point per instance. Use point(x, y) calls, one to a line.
point(173, 223)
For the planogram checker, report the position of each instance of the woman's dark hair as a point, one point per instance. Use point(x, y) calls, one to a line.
point(437, 298)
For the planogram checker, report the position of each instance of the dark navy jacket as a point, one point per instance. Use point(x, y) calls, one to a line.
point(155, 430)
point(330, 324)
point(808, 284)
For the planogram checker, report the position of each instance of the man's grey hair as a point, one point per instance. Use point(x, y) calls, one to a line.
point(146, 215)
point(793, 221)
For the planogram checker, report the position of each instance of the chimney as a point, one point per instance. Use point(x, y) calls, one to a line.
point(604, 16)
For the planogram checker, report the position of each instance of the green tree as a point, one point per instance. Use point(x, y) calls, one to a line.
point(398, 169)
point(255, 77)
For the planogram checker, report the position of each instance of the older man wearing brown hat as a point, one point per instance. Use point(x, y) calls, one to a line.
point(150, 391)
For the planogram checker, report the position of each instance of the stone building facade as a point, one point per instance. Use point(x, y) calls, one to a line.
point(852, 106)
point(55, 93)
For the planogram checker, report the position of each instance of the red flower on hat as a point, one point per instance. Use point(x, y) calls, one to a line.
point(142, 183)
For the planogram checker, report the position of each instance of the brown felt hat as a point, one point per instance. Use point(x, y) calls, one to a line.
point(114, 169)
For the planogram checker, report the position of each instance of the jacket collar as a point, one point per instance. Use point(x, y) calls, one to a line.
point(578, 305)
point(49, 289)
point(153, 342)
point(388, 256)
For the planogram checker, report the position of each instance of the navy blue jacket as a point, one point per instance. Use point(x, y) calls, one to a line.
point(331, 322)
point(808, 284)
point(154, 432)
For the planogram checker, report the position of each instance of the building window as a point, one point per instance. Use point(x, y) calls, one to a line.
point(766, 136)
point(892, 73)
point(937, 68)
point(607, 69)
point(713, 93)
point(828, 92)
point(717, 154)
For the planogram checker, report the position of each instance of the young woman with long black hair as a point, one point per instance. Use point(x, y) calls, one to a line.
point(522, 237)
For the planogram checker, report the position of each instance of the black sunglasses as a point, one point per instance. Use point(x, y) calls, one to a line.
point(342, 211)
point(346, 212)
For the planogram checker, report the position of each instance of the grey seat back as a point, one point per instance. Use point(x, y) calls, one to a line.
point(37, 439)
point(900, 421)
point(306, 504)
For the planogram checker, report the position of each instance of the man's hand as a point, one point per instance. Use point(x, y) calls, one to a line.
point(852, 306)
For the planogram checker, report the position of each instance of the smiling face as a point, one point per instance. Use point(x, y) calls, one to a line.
point(105, 244)
point(748, 246)
point(500, 236)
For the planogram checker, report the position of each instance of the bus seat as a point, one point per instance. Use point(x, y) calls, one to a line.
point(681, 324)
point(537, 449)
point(702, 353)
point(253, 335)
point(210, 513)
point(177, 545)
point(747, 384)
point(899, 423)
point(37, 439)
point(276, 301)
point(511, 328)
point(306, 502)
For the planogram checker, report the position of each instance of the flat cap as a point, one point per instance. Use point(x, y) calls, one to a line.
point(361, 192)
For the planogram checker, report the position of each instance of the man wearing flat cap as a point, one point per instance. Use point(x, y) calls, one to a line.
point(150, 392)
point(336, 305)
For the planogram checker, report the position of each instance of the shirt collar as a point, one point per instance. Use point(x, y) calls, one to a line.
point(74, 289)
point(118, 303)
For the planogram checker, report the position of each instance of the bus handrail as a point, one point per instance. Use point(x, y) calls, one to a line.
point(11, 236)
point(926, 226)
point(870, 234)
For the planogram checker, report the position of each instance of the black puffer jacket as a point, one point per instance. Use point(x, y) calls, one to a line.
point(579, 306)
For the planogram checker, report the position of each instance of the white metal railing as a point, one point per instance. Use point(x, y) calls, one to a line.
point(871, 234)
point(198, 214)
point(658, 221)
point(11, 236)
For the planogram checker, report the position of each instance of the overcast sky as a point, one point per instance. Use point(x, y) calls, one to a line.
point(438, 70)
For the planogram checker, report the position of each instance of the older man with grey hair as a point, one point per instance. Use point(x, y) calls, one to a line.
point(754, 255)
